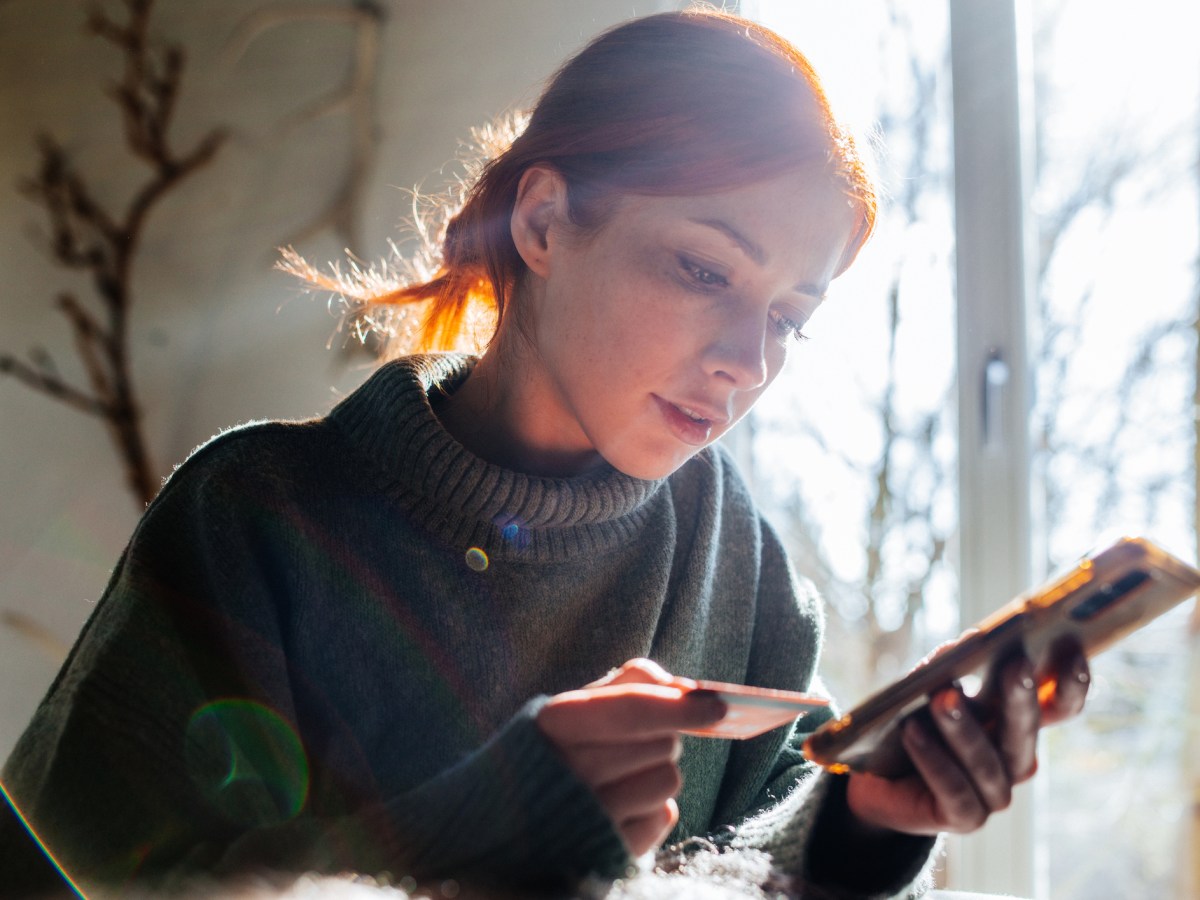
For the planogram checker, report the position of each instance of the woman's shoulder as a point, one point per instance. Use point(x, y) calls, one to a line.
point(257, 457)
point(256, 444)
point(365, 417)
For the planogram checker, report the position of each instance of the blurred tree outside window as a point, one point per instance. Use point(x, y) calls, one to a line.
point(1116, 211)
point(854, 452)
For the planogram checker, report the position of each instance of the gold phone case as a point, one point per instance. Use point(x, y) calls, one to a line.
point(1103, 598)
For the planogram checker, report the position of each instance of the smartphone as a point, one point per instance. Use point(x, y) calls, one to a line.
point(751, 711)
point(1104, 597)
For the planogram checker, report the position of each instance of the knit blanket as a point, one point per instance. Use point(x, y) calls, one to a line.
point(701, 873)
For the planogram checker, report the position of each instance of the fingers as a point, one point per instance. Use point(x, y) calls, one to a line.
point(643, 671)
point(649, 831)
point(964, 774)
point(1019, 719)
point(1065, 681)
point(618, 713)
point(641, 794)
point(643, 807)
point(982, 784)
point(601, 764)
point(952, 802)
point(969, 753)
point(621, 738)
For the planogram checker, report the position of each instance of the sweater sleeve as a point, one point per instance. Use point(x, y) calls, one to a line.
point(795, 811)
point(169, 742)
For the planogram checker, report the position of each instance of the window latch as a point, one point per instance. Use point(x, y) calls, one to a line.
point(995, 381)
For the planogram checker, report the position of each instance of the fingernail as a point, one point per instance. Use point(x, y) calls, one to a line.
point(952, 706)
point(1082, 677)
point(1026, 676)
point(709, 701)
point(676, 748)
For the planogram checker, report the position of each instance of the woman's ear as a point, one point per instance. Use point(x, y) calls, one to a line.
point(541, 199)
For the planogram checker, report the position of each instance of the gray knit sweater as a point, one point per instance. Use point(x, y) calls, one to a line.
point(325, 645)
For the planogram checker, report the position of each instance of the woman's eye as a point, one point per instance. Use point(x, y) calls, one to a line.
point(701, 276)
point(787, 328)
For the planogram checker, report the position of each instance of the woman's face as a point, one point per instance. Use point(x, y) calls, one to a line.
point(655, 334)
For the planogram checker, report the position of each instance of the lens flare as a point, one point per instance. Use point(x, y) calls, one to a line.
point(477, 559)
point(75, 889)
point(513, 531)
point(247, 760)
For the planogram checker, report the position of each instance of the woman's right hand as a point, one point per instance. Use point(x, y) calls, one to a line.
point(620, 736)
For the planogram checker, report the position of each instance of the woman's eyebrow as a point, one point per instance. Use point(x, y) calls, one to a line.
point(748, 246)
point(756, 253)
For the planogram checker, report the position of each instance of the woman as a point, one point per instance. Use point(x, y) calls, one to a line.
point(359, 642)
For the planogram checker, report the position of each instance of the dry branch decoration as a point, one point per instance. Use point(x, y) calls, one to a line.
point(49, 644)
point(88, 237)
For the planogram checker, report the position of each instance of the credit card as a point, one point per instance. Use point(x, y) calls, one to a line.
point(752, 710)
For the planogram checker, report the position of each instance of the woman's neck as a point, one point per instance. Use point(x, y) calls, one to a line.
point(495, 415)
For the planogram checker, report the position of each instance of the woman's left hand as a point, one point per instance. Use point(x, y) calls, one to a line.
point(969, 753)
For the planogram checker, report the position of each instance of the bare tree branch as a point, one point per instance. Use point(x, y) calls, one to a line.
point(51, 386)
point(84, 235)
point(48, 643)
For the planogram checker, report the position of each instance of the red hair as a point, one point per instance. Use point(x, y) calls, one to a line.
point(671, 104)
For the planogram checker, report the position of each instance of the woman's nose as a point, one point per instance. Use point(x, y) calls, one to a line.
point(737, 354)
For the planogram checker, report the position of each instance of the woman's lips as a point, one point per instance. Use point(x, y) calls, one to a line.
point(686, 423)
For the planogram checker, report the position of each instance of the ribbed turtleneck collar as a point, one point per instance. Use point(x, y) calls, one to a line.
point(469, 501)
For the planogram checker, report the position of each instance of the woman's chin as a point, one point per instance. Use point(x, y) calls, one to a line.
point(651, 466)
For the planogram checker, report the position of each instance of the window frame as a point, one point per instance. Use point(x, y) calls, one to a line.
point(991, 83)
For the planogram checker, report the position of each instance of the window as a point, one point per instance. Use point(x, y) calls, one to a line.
point(1115, 214)
point(915, 505)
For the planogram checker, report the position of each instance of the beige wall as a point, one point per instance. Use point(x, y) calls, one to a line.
point(217, 337)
